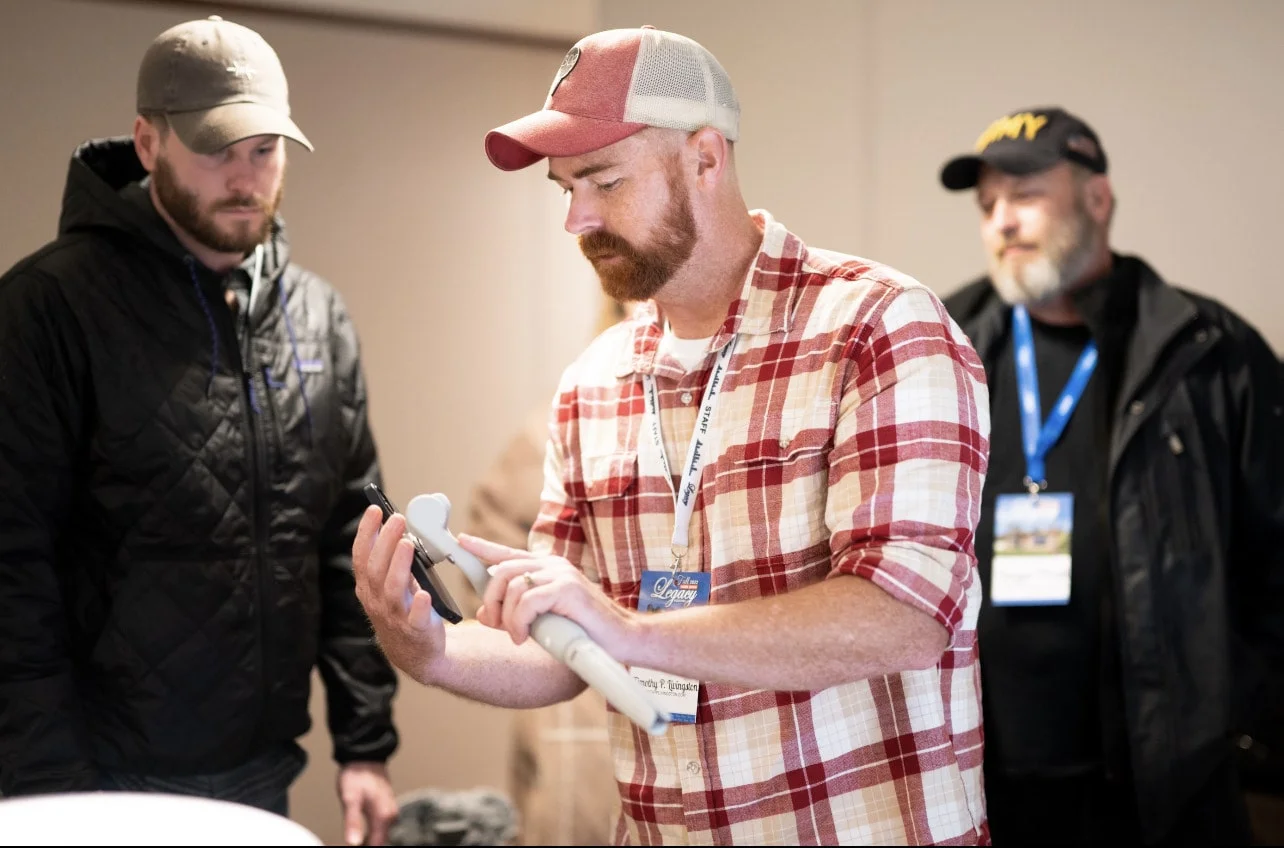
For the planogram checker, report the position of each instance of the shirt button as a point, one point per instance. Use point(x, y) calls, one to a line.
point(783, 442)
point(686, 397)
point(693, 767)
point(1201, 336)
point(1136, 407)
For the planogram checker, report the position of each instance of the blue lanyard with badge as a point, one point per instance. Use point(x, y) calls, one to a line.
point(1031, 564)
point(675, 588)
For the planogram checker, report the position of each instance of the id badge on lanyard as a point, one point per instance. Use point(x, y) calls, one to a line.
point(1031, 565)
point(675, 588)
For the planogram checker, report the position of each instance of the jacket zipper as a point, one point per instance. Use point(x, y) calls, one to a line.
point(1185, 529)
point(243, 355)
point(258, 475)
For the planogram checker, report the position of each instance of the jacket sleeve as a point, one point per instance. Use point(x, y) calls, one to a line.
point(359, 681)
point(44, 744)
point(1257, 555)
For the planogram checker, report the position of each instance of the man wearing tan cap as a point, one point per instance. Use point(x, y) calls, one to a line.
point(184, 448)
point(795, 436)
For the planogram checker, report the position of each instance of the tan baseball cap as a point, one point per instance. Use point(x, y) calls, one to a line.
point(216, 83)
point(611, 85)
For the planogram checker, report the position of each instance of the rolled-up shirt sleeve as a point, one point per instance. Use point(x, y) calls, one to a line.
point(910, 453)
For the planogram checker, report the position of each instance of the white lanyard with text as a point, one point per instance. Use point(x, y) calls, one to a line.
point(684, 495)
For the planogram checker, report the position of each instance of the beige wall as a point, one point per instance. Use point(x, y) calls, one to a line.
point(545, 19)
point(468, 295)
point(850, 108)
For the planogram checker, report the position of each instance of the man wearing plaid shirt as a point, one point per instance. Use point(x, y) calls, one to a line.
point(799, 434)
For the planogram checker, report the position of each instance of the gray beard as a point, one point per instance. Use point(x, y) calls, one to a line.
point(1057, 266)
point(1035, 281)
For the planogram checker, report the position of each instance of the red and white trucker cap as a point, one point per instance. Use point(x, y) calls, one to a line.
point(614, 83)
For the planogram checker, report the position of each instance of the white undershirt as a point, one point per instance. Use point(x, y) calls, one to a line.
point(690, 353)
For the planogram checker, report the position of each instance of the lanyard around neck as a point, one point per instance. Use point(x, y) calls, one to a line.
point(1038, 438)
point(684, 496)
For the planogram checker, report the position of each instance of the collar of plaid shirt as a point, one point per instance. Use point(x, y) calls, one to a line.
point(761, 308)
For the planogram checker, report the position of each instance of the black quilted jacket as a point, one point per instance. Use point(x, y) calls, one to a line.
point(177, 504)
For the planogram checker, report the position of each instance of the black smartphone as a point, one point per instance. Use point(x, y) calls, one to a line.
point(422, 565)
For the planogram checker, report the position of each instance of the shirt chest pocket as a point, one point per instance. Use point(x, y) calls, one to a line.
point(610, 515)
point(775, 479)
point(609, 476)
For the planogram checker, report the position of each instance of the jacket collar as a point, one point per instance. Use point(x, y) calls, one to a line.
point(1162, 313)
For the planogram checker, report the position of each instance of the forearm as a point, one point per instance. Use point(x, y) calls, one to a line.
point(836, 631)
point(483, 664)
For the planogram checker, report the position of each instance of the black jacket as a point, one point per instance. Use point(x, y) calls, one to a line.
point(1196, 517)
point(178, 505)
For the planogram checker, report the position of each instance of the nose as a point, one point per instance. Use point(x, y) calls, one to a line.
point(1003, 218)
point(240, 185)
point(241, 177)
point(582, 217)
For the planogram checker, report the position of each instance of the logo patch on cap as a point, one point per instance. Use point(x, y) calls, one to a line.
point(568, 65)
point(1011, 126)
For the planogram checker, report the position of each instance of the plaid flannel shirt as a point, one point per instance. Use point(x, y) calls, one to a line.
point(851, 438)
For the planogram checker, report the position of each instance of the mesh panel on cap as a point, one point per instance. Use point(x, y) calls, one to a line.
point(680, 85)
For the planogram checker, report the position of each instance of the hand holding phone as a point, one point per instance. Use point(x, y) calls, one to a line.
point(422, 564)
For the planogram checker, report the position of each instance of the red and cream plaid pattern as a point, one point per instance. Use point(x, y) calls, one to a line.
point(851, 439)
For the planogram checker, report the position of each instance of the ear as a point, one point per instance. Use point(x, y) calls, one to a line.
point(712, 155)
point(1099, 198)
point(147, 142)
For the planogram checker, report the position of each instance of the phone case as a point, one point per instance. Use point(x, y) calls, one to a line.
point(421, 567)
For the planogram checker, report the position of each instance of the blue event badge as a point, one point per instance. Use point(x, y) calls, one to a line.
point(662, 591)
point(1031, 565)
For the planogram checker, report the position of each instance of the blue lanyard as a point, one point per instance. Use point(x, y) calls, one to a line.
point(1038, 439)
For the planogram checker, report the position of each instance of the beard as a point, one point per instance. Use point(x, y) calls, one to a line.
point(637, 273)
point(186, 210)
point(1058, 262)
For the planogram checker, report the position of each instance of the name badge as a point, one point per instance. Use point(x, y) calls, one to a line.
point(1031, 565)
point(663, 591)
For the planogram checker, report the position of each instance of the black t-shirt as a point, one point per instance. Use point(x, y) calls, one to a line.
point(1041, 666)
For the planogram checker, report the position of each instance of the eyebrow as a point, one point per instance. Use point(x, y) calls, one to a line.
point(586, 171)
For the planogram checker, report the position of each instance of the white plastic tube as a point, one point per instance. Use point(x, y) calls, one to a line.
point(428, 517)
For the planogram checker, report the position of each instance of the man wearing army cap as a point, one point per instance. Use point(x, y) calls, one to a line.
point(1131, 540)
